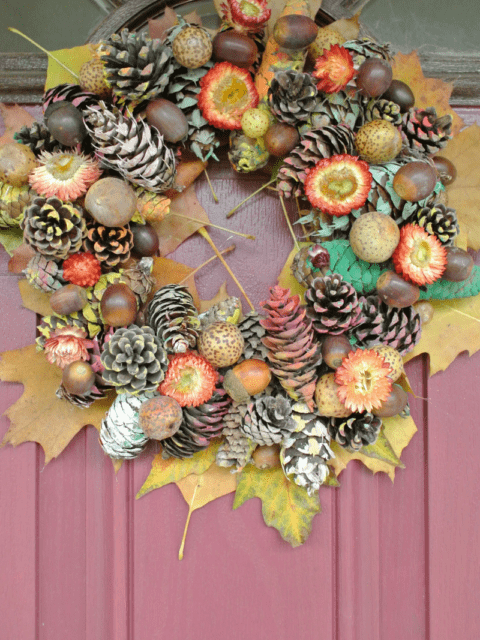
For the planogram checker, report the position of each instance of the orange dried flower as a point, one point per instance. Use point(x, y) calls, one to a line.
point(64, 174)
point(363, 379)
point(419, 256)
point(66, 345)
point(190, 379)
point(246, 16)
point(82, 269)
point(334, 69)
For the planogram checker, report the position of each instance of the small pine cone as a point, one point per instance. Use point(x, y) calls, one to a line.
point(134, 360)
point(305, 452)
point(268, 420)
point(292, 96)
point(310, 263)
point(13, 201)
point(38, 138)
point(314, 146)
point(49, 324)
point(246, 154)
point(111, 246)
point(440, 221)
point(253, 333)
point(138, 277)
point(236, 450)
point(120, 434)
point(357, 430)
point(424, 131)
point(363, 48)
point(228, 310)
point(84, 401)
point(153, 207)
point(53, 228)
point(333, 305)
point(334, 109)
point(135, 67)
point(382, 110)
point(174, 318)
point(390, 326)
point(44, 274)
point(70, 93)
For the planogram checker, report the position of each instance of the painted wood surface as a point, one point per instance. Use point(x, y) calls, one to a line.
point(83, 560)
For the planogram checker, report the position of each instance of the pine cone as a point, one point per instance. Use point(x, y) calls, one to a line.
point(153, 207)
point(173, 317)
point(228, 310)
point(292, 96)
point(200, 425)
point(38, 138)
point(314, 146)
point(53, 228)
point(363, 48)
point(44, 274)
point(424, 131)
point(247, 154)
point(438, 220)
point(110, 245)
point(134, 149)
point(357, 430)
point(253, 333)
point(309, 263)
point(70, 93)
point(13, 201)
point(138, 277)
point(120, 434)
point(136, 68)
point(391, 326)
point(84, 401)
point(334, 109)
point(134, 360)
point(305, 452)
point(333, 305)
point(268, 420)
point(293, 353)
point(236, 449)
point(379, 109)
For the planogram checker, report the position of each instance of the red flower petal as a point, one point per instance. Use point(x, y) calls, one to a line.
point(334, 69)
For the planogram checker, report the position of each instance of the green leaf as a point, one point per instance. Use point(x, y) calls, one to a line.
point(11, 238)
point(285, 505)
point(445, 290)
point(362, 275)
point(382, 450)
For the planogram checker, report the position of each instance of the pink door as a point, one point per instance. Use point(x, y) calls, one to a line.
point(83, 560)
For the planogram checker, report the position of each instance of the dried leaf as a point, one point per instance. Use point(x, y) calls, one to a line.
point(222, 294)
point(34, 299)
point(349, 28)
point(455, 327)
point(158, 27)
point(73, 59)
point(215, 483)
point(14, 118)
point(187, 172)
point(39, 416)
point(286, 278)
point(382, 450)
point(285, 505)
point(428, 92)
point(166, 271)
point(11, 239)
point(464, 193)
point(20, 258)
point(172, 470)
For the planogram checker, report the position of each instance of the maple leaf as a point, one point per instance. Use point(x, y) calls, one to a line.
point(285, 505)
point(221, 295)
point(464, 193)
point(286, 278)
point(349, 28)
point(20, 258)
point(199, 490)
point(166, 271)
point(34, 299)
point(14, 118)
point(428, 92)
point(158, 27)
point(39, 416)
point(72, 58)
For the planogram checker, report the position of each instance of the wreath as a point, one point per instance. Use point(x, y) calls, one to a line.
point(271, 402)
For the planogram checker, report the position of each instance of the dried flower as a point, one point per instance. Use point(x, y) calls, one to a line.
point(334, 69)
point(419, 256)
point(67, 345)
point(190, 379)
point(363, 379)
point(64, 174)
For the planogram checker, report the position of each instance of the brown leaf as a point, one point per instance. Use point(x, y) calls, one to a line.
point(34, 299)
point(222, 294)
point(428, 92)
point(187, 172)
point(14, 118)
point(39, 416)
point(158, 27)
point(167, 271)
point(464, 193)
point(20, 258)
point(214, 483)
point(172, 231)
point(193, 18)
point(349, 28)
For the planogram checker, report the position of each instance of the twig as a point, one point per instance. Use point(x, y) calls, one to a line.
point(190, 511)
point(297, 246)
point(204, 264)
point(215, 197)
point(232, 211)
point(203, 232)
point(44, 51)
point(210, 224)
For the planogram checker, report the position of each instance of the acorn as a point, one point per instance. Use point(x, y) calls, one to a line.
point(392, 357)
point(394, 404)
point(294, 31)
point(111, 201)
point(65, 123)
point(255, 123)
point(459, 265)
point(78, 377)
point(221, 343)
point(374, 77)
point(266, 456)
point(247, 379)
point(92, 78)
point(401, 94)
point(234, 47)
point(16, 162)
point(68, 299)
point(192, 47)
point(145, 240)
point(168, 119)
point(378, 141)
point(395, 291)
point(374, 237)
point(325, 38)
point(415, 181)
point(118, 305)
point(326, 398)
point(425, 310)
point(280, 139)
point(446, 170)
point(334, 350)
point(160, 417)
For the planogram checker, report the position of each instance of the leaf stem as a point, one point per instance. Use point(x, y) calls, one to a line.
point(204, 264)
point(290, 228)
point(190, 511)
point(210, 224)
point(203, 232)
point(44, 51)
point(467, 315)
point(267, 184)
point(215, 197)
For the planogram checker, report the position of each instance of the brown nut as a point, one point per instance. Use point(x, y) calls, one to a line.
point(160, 417)
point(247, 379)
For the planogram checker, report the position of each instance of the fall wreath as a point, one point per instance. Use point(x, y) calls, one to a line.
point(270, 403)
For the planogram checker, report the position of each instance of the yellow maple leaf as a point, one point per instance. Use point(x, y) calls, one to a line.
point(73, 59)
point(286, 278)
point(214, 483)
point(285, 505)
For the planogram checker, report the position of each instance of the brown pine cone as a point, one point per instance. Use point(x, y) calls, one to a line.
point(110, 245)
point(438, 220)
point(138, 277)
point(310, 263)
point(423, 130)
point(292, 96)
point(357, 430)
point(333, 305)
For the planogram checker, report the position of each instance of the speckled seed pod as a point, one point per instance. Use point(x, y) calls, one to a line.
point(221, 344)
point(392, 358)
point(192, 47)
point(160, 417)
point(378, 141)
point(374, 237)
point(255, 123)
point(328, 402)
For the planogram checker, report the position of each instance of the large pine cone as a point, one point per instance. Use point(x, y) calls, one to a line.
point(292, 96)
point(305, 453)
point(38, 138)
point(84, 401)
point(293, 351)
point(438, 220)
point(253, 333)
point(236, 449)
point(336, 108)
point(44, 274)
point(135, 67)
point(423, 130)
point(356, 431)
point(13, 201)
point(120, 434)
point(53, 228)
point(333, 305)
point(268, 420)
point(173, 316)
point(391, 326)
point(314, 146)
point(363, 48)
point(134, 360)
point(110, 245)
point(134, 149)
